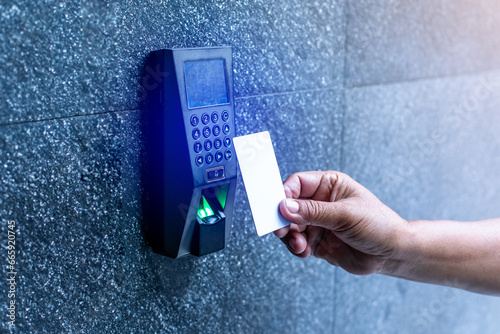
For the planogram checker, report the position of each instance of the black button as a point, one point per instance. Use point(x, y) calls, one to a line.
point(215, 173)
point(218, 156)
point(209, 158)
point(227, 142)
point(195, 120)
point(196, 134)
point(217, 143)
point(225, 115)
point(197, 147)
point(205, 118)
point(199, 160)
point(228, 154)
point(208, 145)
point(216, 130)
point(215, 117)
point(226, 128)
point(206, 131)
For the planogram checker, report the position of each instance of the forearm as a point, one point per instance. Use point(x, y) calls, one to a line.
point(465, 255)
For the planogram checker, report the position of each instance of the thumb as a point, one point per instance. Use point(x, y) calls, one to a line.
point(310, 212)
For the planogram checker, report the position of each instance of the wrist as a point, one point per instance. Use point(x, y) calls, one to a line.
point(405, 255)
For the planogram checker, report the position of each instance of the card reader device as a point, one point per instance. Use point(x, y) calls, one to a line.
point(189, 168)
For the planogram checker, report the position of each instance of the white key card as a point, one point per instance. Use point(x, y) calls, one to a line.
point(262, 180)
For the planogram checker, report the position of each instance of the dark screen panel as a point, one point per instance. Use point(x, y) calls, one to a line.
point(205, 83)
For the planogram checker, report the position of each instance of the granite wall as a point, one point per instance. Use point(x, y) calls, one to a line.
point(401, 95)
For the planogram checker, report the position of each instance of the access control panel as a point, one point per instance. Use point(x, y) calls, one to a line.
point(211, 117)
point(189, 170)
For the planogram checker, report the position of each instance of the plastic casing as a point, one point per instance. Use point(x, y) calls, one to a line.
point(172, 182)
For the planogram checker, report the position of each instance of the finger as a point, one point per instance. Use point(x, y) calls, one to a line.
point(296, 243)
point(306, 253)
point(314, 236)
point(297, 228)
point(282, 232)
point(303, 184)
point(316, 213)
point(322, 186)
point(288, 191)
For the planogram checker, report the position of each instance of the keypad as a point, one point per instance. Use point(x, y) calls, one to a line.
point(214, 130)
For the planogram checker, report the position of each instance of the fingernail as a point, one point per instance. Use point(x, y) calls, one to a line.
point(292, 206)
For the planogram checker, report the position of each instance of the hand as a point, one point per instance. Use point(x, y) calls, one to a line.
point(335, 218)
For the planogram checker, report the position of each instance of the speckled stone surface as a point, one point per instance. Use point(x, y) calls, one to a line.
point(70, 148)
point(379, 304)
point(430, 150)
point(75, 58)
point(72, 186)
point(397, 40)
point(423, 147)
point(305, 127)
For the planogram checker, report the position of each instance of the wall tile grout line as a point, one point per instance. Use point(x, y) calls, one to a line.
point(130, 110)
point(344, 88)
point(423, 79)
point(70, 116)
point(341, 162)
point(300, 91)
point(346, 35)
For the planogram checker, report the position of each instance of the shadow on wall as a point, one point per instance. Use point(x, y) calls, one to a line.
point(157, 272)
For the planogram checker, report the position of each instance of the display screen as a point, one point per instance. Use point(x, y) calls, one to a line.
point(205, 83)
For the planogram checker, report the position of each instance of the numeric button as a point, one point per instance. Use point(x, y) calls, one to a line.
point(196, 134)
point(215, 117)
point(205, 118)
point(217, 143)
point(216, 130)
point(195, 120)
point(206, 132)
point(208, 145)
point(197, 147)
point(209, 158)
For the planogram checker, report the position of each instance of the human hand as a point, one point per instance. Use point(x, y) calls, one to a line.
point(335, 218)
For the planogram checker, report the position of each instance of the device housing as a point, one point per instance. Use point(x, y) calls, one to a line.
point(188, 193)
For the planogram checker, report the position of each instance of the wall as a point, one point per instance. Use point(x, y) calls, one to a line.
point(401, 95)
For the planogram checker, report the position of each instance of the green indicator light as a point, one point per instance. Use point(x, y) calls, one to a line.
point(222, 195)
point(201, 213)
point(208, 209)
point(205, 210)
